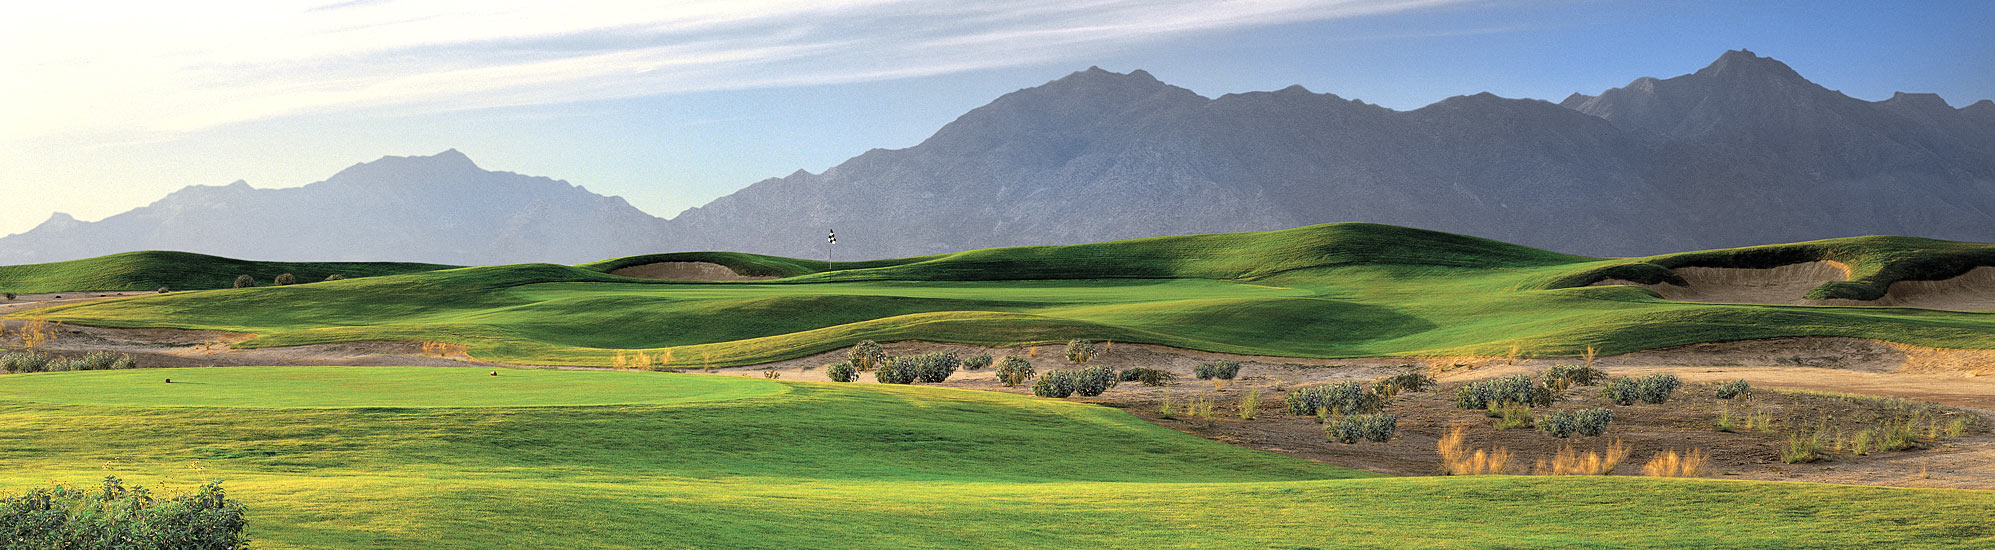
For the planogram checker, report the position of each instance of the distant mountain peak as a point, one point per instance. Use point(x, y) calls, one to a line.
point(1919, 101)
point(1742, 63)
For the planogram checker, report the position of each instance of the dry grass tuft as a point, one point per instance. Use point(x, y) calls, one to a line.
point(1670, 464)
point(1458, 460)
point(1568, 461)
point(444, 350)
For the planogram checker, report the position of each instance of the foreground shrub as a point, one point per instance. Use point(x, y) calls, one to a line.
point(977, 362)
point(1560, 377)
point(1654, 389)
point(25, 361)
point(1376, 428)
point(119, 517)
point(1584, 422)
point(867, 355)
point(1055, 384)
point(1080, 351)
point(1733, 389)
point(842, 372)
point(1670, 464)
point(1568, 462)
point(899, 370)
point(1403, 382)
point(1518, 388)
point(1148, 376)
point(932, 367)
point(245, 281)
point(285, 279)
point(1340, 398)
point(1222, 370)
point(1457, 460)
point(1014, 370)
point(1092, 381)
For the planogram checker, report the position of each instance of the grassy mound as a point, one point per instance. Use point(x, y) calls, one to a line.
point(326, 387)
point(1339, 290)
point(1874, 263)
point(150, 270)
point(842, 466)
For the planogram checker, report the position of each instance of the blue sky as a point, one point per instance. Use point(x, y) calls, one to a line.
point(107, 107)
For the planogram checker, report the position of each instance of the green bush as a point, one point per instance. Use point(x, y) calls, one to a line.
point(1093, 380)
point(1518, 388)
point(335, 277)
point(1404, 382)
point(245, 281)
point(1148, 376)
point(10, 296)
point(286, 279)
point(1223, 370)
point(163, 290)
point(118, 517)
point(102, 360)
point(1560, 377)
point(1351, 429)
point(1339, 398)
point(899, 370)
point(1055, 383)
point(977, 362)
point(1733, 389)
point(933, 367)
point(867, 355)
point(842, 372)
point(1511, 416)
point(1652, 389)
point(1080, 351)
point(1585, 422)
point(1014, 370)
point(25, 361)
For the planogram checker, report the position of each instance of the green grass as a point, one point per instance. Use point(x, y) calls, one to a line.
point(150, 270)
point(1342, 290)
point(728, 462)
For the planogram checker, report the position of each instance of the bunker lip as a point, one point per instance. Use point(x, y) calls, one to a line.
point(685, 271)
point(1789, 285)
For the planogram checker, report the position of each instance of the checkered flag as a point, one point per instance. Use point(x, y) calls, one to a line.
point(830, 237)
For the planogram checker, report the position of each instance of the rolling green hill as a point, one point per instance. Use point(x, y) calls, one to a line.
point(152, 269)
point(1339, 290)
point(391, 457)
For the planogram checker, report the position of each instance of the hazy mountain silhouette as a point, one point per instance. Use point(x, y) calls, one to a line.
point(440, 208)
point(1744, 151)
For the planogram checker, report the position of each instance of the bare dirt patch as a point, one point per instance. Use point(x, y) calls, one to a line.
point(685, 271)
point(1789, 285)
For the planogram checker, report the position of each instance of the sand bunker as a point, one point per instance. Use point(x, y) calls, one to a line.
point(1789, 285)
point(685, 271)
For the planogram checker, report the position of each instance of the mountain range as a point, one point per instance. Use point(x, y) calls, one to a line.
point(1744, 151)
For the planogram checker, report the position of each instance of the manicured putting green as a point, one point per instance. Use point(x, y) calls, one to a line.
point(340, 387)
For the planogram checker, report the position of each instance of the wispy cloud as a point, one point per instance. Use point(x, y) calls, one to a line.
point(133, 69)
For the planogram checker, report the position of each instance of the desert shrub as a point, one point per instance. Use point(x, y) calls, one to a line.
point(1404, 382)
point(1733, 389)
point(335, 277)
point(285, 279)
point(245, 281)
point(1456, 458)
point(1584, 422)
point(1148, 376)
point(867, 355)
point(1080, 351)
point(1511, 416)
point(1652, 389)
point(1222, 370)
point(1014, 370)
point(1519, 388)
point(1055, 383)
point(1092, 381)
point(99, 360)
point(1250, 404)
point(24, 361)
point(841, 372)
point(10, 296)
point(932, 367)
point(899, 370)
point(1339, 398)
point(1670, 464)
point(163, 290)
point(1801, 447)
point(977, 362)
point(1560, 377)
point(116, 516)
point(1364, 427)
